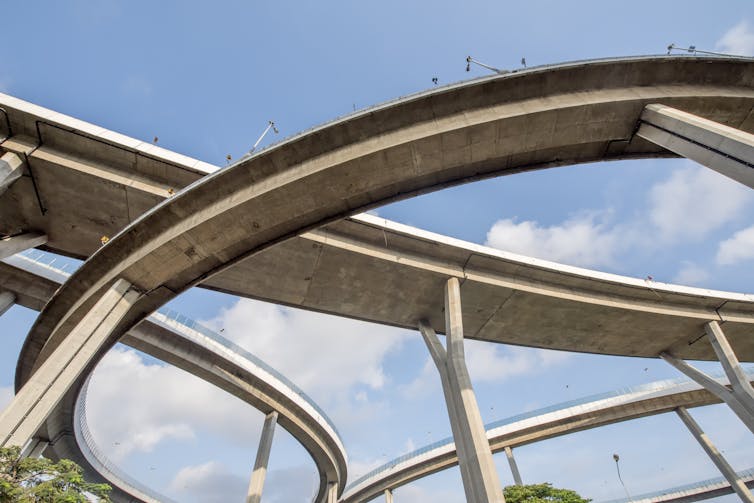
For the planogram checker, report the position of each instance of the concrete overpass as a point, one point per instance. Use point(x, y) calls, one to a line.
point(534, 426)
point(179, 341)
point(538, 118)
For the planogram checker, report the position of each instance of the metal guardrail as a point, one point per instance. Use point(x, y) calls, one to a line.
point(101, 462)
point(183, 325)
point(708, 484)
point(656, 386)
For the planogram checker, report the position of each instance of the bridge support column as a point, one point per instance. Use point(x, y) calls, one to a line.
point(727, 150)
point(11, 166)
point(740, 398)
point(15, 244)
point(730, 475)
point(332, 492)
point(28, 410)
point(35, 448)
point(256, 484)
point(7, 299)
point(388, 496)
point(514, 466)
point(480, 479)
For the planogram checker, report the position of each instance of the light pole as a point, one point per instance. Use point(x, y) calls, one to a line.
point(617, 467)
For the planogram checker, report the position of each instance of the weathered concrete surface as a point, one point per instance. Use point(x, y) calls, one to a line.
point(256, 484)
point(29, 409)
point(7, 299)
point(505, 124)
point(727, 150)
point(209, 361)
point(11, 167)
point(12, 244)
point(654, 398)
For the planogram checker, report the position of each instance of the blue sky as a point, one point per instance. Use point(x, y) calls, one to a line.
point(205, 77)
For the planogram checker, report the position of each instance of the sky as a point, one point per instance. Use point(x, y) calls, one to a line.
point(205, 77)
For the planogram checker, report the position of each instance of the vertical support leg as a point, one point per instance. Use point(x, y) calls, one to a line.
point(11, 166)
point(7, 300)
point(256, 484)
point(480, 479)
point(388, 496)
point(30, 407)
point(514, 466)
point(735, 481)
point(741, 398)
point(332, 493)
point(738, 381)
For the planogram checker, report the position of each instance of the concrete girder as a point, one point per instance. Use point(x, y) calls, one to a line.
point(725, 149)
point(7, 299)
point(728, 472)
point(480, 480)
point(11, 168)
point(33, 403)
point(256, 484)
point(11, 245)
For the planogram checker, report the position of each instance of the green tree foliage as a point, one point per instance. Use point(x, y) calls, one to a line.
point(39, 480)
point(541, 493)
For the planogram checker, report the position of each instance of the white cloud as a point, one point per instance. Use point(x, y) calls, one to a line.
point(159, 402)
point(738, 248)
point(488, 362)
point(209, 482)
point(493, 362)
point(325, 355)
point(687, 206)
point(691, 274)
point(694, 201)
point(738, 40)
point(585, 240)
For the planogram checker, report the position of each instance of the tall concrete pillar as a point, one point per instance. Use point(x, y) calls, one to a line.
point(256, 484)
point(730, 475)
point(740, 398)
point(480, 479)
point(20, 242)
point(727, 150)
point(30, 407)
point(7, 299)
point(514, 466)
point(388, 496)
point(332, 492)
point(11, 167)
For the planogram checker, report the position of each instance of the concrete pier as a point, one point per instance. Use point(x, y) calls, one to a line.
point(514, 467)
point(480, 479)
point(740, 398)
point(725, 149)
point(256, 484)
point(388, 496)
point(7, 299)
point(15, 244)
point(28, 410)
point(730, 475)
point(11, 167)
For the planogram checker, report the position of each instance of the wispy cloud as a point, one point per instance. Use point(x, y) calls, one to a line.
point(738, 40)
point(738, 248)
point(687, 206)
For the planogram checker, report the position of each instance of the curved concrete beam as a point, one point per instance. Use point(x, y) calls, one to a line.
point(199, 352)
point(506, 124)
point(591, 412)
